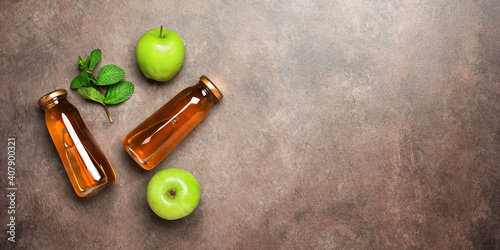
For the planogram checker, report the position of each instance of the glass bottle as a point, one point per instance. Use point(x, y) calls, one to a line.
point(86, 165)
point(155, 137)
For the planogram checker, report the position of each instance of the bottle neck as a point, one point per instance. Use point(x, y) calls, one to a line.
point(210, 86)
point(205, 91)
point(54, 102)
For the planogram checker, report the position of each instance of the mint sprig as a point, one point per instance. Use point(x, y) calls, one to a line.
point(110, 75)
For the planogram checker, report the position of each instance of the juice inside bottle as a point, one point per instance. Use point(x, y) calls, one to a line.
point(155, 137)
point(86, 165)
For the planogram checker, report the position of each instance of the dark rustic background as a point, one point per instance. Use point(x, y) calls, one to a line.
point(344, 124)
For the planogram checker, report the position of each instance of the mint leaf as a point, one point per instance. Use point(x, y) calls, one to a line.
point(91, 94)
point(109, 74)
point(93, 59)
point(81, 80)
point(86, 77)
point(119, 92)
point(86, 64)
point(80, 63)
point(77, 82)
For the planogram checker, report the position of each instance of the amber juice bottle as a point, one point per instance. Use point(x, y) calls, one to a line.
point(86, 165)
point(155, 137)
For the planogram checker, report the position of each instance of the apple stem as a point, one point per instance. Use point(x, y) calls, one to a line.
point(171, 193)
point(161, 30)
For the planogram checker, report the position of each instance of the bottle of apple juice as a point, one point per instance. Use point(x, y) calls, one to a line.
point(86, 165)
point(155, 137)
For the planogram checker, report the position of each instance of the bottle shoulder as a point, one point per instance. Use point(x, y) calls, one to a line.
point(57, 109)
point(193, 96)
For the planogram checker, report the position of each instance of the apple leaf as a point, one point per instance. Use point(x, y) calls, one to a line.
point(81, 80)
point(93, 59)
point(119, 92)
point(109, 74)
point(91, 94)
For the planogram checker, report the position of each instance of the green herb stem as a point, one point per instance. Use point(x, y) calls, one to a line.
point(105, 106)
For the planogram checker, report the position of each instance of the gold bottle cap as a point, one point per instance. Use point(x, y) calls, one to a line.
point(56, 93)
point(211, 86)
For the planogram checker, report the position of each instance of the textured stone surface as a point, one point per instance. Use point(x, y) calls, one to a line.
point(344, 124)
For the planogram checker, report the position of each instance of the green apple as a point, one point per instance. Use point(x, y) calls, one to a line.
point(160, 54)
point(173, 193)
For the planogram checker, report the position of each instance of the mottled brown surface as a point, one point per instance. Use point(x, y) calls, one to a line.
point(344, 124)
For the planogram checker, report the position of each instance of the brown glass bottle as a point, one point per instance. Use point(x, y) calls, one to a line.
point(155, 137)
point(86, 165)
